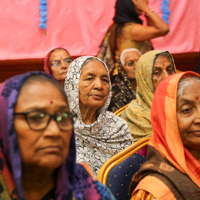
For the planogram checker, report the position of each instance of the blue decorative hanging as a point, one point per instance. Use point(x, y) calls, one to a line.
point(43, 14)
point(165, 10)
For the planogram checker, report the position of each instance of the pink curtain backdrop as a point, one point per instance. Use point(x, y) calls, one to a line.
point(79, 26)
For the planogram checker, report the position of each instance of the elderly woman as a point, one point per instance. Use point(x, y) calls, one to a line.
point(124, 82)
point(38, 144)
point(172, 169)
point(152, 67)
point(56, 63)
point(99, 133)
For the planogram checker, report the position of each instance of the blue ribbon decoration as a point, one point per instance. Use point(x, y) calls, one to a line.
point(165, 10)
point(43, 14)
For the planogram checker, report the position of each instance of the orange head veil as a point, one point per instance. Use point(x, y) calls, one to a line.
point(166, 138)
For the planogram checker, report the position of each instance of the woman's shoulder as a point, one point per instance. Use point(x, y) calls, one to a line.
point(129, 25)
point(119, 125)
point(135, 107)
point(132, 105)
point(110, 114)
point(151, 187)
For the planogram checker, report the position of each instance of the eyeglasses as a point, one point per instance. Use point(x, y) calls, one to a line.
point(39, 120)
point(57, 63)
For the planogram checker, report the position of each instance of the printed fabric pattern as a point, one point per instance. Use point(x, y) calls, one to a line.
point(109, 134)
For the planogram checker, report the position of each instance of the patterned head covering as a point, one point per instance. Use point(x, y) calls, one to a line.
point(109, 134)
point(125, 12)
point(72, 81)
point(47, 67)
point(137, 114)
point(72, 179)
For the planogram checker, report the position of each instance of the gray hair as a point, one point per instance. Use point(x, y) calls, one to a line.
point(186, 80)
point(166, 54)
point(126, 51)
point(88, 60)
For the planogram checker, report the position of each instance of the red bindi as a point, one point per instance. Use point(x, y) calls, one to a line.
point(51, 102)
point(197, 98)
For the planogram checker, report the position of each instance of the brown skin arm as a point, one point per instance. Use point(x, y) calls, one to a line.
point(156, 28)
point(142, 195)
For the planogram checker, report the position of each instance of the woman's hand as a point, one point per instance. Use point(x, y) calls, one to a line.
point(141, 5)
point(156, 27)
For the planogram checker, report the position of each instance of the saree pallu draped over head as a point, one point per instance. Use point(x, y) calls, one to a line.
point(105, 137)
point(47, 67)
point(170, 171)
point(137, 114)
point(73, 181)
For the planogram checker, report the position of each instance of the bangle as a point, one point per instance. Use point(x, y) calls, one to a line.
point(149, 11)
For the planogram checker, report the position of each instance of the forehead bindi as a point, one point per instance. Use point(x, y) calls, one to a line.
point(192, 91)
point(133, 55)
point(162, 62)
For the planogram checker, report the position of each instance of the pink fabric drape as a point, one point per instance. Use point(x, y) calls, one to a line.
point(184, 20)
point(79, 26)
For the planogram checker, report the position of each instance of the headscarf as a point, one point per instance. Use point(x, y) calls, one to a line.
point(73, 181)
point(137, 114)
point(167, 157)
point(109, 134)
point(125, 12)
point(47, 67)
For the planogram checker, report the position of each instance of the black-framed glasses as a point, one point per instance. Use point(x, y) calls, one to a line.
point(57, 63)
point(39, 120)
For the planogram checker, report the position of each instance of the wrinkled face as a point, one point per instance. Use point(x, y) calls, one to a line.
point(59, 63)
point(130, 60)
point(47, 148)
point(188, 115)
point(93, 85)
point(161, 70)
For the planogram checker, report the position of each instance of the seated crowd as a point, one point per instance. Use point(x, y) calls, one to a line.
point(58, 127)
point(152, 67)
point(68, 119)
point(172, 168)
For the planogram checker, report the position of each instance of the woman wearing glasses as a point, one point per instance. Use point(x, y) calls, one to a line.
point(37, 145)
point(124, 82)
point(56, 63)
